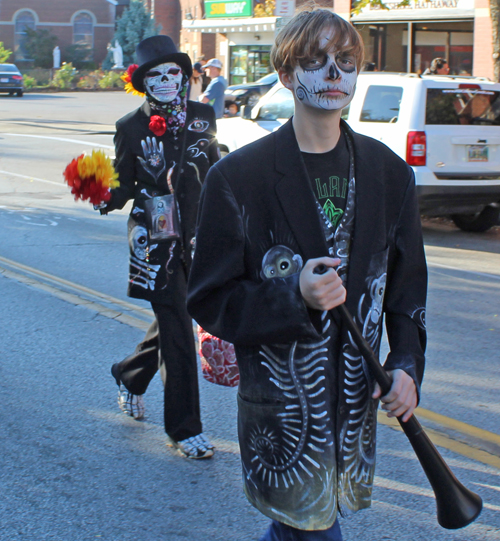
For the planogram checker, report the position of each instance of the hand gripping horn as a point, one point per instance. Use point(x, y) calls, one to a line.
point(457, 506)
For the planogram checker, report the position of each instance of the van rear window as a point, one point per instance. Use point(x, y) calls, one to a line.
point(381, 104)
point(466, 106)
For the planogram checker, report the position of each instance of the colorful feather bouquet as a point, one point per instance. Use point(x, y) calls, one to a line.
point(91, 177)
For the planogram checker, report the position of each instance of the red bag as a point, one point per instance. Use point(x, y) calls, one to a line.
point(218, 360)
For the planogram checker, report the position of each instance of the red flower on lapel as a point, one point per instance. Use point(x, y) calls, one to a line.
point(158, 125)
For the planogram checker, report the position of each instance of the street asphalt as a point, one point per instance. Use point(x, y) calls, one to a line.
point(73, 467)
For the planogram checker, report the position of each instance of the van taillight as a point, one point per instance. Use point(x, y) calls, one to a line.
point(416, 148)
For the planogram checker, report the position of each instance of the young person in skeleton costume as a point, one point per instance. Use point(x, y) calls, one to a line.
point(312, 193)
point(164, 147)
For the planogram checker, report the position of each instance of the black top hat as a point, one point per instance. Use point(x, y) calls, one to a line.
point(157, 50)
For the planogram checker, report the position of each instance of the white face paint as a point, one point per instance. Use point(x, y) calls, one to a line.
point(326, 81)
point(164, 82)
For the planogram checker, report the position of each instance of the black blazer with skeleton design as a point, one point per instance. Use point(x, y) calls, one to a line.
point(143, 162)
point(306, 418)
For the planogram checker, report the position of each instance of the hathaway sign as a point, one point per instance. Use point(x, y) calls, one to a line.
point(227, 8)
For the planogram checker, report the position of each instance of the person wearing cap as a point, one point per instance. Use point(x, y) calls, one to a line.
point(214, 94)
point(163, 152)
point(196, 82)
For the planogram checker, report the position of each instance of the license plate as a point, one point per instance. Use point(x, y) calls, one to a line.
point(478, 153)
point(4, 80)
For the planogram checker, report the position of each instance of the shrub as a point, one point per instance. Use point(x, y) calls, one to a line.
point(28, 81)
point(65, 77)
point(4, 53)
point(42, 76)
point(80, 56)
point(111, 80)
point(90, 80)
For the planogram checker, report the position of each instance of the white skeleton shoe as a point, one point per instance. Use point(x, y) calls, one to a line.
point(194, 447)
point(205, 440)
point(131, 404)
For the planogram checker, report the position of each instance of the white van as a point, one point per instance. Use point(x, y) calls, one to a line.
point(447, 129)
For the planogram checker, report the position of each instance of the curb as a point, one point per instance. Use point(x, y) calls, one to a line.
point(59, 90)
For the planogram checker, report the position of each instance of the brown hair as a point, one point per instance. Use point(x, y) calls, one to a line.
point(299, 39)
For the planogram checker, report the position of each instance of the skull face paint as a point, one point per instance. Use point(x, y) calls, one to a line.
point(327, 80)
point(164, 82)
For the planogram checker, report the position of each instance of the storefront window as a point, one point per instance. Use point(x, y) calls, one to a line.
point(386, 46)
point(383, 46)
point(453, 41)
point(249, 63)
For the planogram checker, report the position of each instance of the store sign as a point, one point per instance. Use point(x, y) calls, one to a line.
point(423, 4)
point(417, 8)
point(227, 8)
point(284, 8)
point(420, 5)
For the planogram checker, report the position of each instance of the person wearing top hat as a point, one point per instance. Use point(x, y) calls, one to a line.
point(163, 152)
point(214, 94)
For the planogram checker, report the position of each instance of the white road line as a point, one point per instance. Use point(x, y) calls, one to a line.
point(488, 486)
point(483, 274)
point(32, 178)
point(62, 139)
point(398, 486)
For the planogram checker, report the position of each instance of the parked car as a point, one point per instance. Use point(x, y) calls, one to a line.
point(447, 128)
point(11, 80)
point(250, 93)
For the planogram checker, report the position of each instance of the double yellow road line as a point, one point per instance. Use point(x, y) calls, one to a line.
point(461, 438)
point(105, 305)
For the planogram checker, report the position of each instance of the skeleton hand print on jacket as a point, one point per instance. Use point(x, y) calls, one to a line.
point(148, 166)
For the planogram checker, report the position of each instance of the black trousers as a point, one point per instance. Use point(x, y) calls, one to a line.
point(169, 347)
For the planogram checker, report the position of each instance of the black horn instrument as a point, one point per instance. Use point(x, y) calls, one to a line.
point(457, 506)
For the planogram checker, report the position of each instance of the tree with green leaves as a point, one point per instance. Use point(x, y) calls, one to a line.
point(358, 5)
point(4, 53)
point(495, 27)
point(132, 27)
point(80, 55)
point(39, 46)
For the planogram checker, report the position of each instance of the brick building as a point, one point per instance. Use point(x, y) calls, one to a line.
point(401, 38)
point(196, 44)
point(240, 33)
point(72, 21)
point(407, 38)
point(167, 13)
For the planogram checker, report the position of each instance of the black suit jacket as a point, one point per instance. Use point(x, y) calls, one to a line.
point(306, 418)
point(143, 162)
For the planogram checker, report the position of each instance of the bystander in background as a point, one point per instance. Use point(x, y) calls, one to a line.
point(214, 94)
point(439, 66)
point(196, 82)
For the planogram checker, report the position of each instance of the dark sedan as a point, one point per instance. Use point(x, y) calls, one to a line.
point(250, 93)
point(11, 80)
